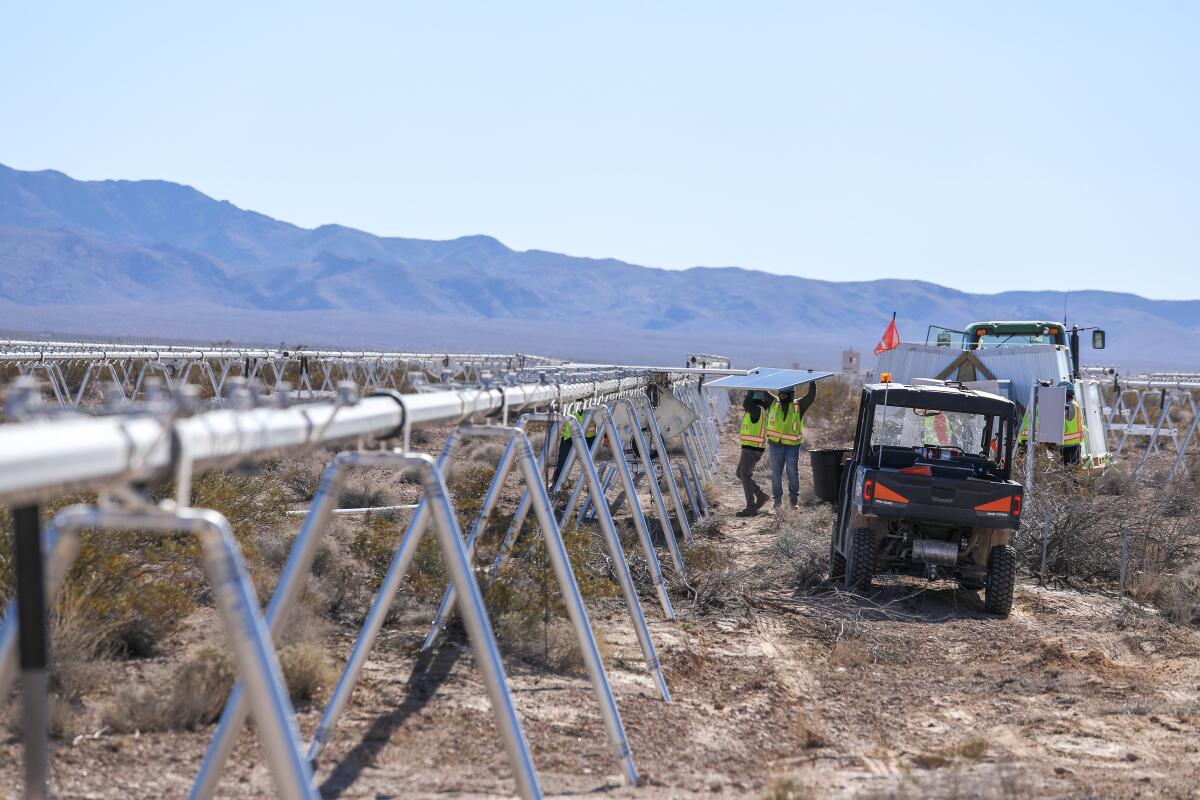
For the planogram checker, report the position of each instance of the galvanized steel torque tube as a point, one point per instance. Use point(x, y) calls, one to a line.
point(49, 452)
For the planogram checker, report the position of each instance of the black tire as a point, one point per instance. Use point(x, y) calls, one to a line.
point(860, 566)
point(1001, 578)
point(837, 562)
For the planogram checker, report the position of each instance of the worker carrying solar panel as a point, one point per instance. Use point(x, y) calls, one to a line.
point(785, 437)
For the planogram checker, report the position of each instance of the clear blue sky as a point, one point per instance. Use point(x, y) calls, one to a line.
point(986, 146)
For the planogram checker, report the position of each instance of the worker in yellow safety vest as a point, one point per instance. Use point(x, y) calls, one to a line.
point(1074, 429)
point(752, 435)
point(785, 435)
point(564, 444)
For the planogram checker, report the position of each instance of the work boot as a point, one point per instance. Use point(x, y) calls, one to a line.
point(760, 500)
point(748, 511)
point(778, 503)
point(795, 502)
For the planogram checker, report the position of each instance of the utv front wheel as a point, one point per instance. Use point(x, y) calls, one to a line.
point(860, 565)
point(1001, 578)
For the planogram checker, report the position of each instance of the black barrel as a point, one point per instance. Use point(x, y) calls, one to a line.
point(827, 473)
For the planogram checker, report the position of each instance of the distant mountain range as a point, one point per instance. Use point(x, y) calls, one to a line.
point(139, 259)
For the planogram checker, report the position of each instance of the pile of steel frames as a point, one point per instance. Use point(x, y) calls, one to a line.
point(1141, 409)
point(49, 452)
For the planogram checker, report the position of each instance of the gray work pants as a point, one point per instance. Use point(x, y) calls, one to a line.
point(785, 455)
point(745, 472)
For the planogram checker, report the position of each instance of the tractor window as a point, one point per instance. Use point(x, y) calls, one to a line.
point(917, 427)
point(989, 340)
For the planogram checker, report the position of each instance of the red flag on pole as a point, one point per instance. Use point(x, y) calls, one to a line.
point(891, 337)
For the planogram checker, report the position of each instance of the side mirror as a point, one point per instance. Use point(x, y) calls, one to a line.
point(943, 339)
point(1097, 340)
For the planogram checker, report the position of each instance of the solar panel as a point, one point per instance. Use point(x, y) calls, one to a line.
point(768, 379)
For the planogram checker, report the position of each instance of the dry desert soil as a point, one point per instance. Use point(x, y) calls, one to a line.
point(777, 692)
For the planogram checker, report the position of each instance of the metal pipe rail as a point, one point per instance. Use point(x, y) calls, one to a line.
point(42, 458)
point(22, 349)
point(47, 454)
point(127, 370)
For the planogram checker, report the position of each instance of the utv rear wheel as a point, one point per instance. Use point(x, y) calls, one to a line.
point(1001, 578)
point(860, 565)
point(837, 561)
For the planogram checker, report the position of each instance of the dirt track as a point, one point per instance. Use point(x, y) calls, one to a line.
point(912, 692)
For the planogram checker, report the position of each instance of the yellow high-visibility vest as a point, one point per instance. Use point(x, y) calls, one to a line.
point(588, 433)
point(1073, 428)
point(785, 426)
point(753, 434)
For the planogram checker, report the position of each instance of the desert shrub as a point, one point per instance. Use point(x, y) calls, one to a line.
point(427, 576)
point(527, 607)
point(468, 482)
point(307, 670)
point(196, 695)
point(800, 549)
point(788, 789)
point(831, 420)
point(374, 541)
point(713, 580)
point(254, 503)
point(361, 495)
point(301, 475)
point(133, 588)
point(197, 691)
point(1088, 520)
point(1179, 596)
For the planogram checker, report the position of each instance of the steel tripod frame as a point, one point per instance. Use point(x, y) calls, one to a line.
point(435, 503)
point(710, 412)
point(623, 495)
point(573, 600)
point(237, 605)
point(700, 501)
point(623, 471)
point(1182, 448)
point(490, 498)
point(587, 511)
point(607, 527)
point(660, 505)
point(618, 452)
point(664, 459)
point(401, 560)
point(704, 422)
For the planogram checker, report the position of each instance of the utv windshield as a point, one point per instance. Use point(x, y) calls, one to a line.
point(917, 427)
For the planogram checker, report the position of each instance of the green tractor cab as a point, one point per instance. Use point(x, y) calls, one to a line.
point(1009, 333)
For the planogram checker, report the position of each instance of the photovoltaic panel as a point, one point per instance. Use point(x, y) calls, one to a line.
point(768, 379)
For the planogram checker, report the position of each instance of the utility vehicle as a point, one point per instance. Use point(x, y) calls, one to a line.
point(926, 490)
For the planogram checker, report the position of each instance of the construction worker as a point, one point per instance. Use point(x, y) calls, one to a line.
point(753, 437)
point(785, 435)
point(564, 444)
point(1073, 428)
